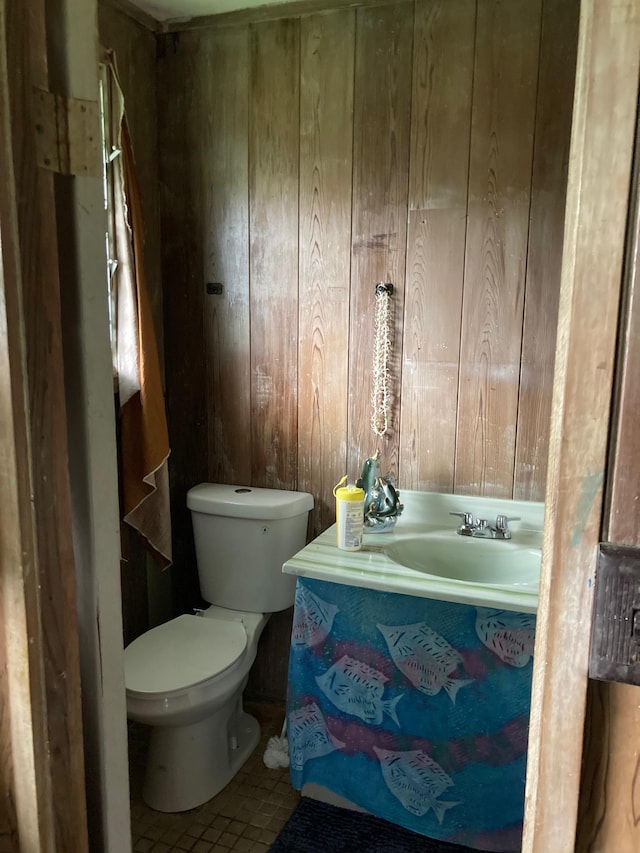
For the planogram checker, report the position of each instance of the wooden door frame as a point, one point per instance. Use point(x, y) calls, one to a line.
point(601, 154)
point(26, 810)
point(41, 737)
point(602, 142)
point(91, 420)
point(60, 580)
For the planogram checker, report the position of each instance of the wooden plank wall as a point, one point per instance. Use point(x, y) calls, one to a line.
point(498, 200)
point(326, 157)
point(304, 159)
point(274, 62)
point(381, 130)
point(443, 60)
point(558, 39)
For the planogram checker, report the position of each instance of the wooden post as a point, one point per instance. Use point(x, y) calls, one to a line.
point(597, 201)
point(609, 815)
point(41, 739)
point(26, 808)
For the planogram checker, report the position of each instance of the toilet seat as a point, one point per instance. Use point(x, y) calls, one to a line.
point(182, 653)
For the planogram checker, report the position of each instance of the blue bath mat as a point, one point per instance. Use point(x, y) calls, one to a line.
point(316, 827)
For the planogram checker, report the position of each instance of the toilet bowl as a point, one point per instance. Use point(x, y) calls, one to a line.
point(185, 678)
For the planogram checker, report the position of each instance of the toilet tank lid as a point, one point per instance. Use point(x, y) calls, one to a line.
point(247, 501)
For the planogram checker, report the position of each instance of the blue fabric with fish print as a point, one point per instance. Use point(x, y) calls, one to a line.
point(416, 710)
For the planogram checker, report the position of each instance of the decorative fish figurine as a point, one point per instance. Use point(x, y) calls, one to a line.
point(416, 780)
point(356, 688)
point(313, 618)
point(424, 657)
point(509, 635)
point(381, 501)
point(308, 736)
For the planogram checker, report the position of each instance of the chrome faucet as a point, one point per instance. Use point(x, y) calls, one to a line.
point(481, 529)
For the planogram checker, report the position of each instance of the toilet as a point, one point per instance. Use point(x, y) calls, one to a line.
point(185, 678)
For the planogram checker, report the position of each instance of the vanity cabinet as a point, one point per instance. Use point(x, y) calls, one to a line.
point(416, 710)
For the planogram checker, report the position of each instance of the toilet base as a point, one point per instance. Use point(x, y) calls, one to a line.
point(188, 765)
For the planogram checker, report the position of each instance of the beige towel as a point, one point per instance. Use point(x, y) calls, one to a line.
point(144, 440)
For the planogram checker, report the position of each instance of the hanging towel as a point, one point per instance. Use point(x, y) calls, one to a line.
point(144, 439)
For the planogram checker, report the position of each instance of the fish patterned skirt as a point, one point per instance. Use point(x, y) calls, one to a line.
point(416, 710)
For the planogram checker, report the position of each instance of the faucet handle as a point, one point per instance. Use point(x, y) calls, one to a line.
point(468, 523)
point(467, 518)
point(502, 521)
point(502, 525)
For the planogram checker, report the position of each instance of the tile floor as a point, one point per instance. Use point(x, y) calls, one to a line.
point(246, 816)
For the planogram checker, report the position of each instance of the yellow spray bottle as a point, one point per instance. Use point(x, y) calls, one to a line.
point(349, 515)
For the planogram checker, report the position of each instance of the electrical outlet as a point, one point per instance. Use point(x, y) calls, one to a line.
point(615, 633)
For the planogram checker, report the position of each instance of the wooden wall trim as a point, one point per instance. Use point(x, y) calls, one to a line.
point(90, 418)
point(623, 486)
point(597, 200)
point(135, 13)
point(295, 9)
point(241, 17)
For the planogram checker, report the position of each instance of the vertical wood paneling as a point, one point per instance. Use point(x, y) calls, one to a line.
point(273, 231)
point(326, 143)
point(220, 142)
point(381, 131)
point(556, 77)
point(608, 808)
point(183, 295)
point(503, 117)
point(268, 675)
point(441, 120)
point(432, 95)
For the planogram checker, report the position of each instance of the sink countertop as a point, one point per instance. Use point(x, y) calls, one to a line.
point(427, 513)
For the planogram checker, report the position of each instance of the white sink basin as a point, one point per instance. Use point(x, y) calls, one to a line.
point(424, 556)
point(468, 559)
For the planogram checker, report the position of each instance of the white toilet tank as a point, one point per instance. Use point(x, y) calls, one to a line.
point(243, 535)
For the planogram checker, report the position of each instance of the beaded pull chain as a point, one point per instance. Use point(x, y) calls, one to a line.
point(381, 359)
